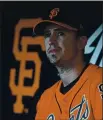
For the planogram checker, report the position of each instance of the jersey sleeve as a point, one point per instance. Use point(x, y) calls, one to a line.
point(40, 107)
point(97, 96)
point(44, 102)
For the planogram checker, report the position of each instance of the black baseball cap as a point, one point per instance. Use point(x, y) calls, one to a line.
point(62, 16)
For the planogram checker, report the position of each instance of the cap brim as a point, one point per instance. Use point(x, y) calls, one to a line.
point(39, 28)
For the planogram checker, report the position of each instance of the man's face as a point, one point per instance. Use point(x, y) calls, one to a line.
point(60, 43)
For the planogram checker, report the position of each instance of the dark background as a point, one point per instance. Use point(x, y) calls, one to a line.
point(10, 14)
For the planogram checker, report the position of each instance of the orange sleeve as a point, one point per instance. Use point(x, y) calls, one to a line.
point(40, 107)
point(97, 96)
point(44, 102)
point(98, 107)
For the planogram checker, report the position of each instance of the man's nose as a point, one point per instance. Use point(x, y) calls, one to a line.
point(53, 40)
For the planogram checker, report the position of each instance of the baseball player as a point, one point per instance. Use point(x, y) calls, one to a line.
point(79, 93)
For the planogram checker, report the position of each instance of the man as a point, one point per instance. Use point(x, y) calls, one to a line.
point(78, 95)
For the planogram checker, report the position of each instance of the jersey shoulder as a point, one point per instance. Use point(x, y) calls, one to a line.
point(95, 74)
point(94, 68)
point(48, 93)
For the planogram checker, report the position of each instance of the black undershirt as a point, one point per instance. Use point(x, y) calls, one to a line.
point(64, 90)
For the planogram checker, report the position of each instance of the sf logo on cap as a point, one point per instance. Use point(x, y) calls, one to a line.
point(54, 13)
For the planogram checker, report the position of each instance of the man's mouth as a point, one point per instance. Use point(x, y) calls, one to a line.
point(52, 51)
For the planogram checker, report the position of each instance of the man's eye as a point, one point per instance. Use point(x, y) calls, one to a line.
point(60, 33)
point(47, 34)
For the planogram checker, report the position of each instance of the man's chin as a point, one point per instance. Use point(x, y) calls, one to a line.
point(53, 61)
point(56, 63)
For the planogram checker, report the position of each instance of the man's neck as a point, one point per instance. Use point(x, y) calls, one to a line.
point(69, 74)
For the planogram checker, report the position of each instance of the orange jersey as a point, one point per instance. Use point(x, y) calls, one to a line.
point(82, 102)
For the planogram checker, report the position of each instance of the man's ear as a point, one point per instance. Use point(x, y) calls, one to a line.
point(82, 41)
